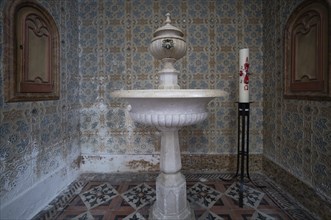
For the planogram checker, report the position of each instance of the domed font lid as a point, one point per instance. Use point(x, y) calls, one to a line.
point(168, 31)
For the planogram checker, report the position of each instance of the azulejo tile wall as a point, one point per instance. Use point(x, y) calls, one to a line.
point(40, 138)
point(297, 133)
point(113, 50)
point(104, 47)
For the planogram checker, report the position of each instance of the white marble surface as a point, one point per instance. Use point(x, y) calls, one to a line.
point(169, 93)
point(168, 108)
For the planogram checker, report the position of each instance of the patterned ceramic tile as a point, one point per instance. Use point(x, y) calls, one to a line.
point(132, 185)
point(203, 195)
point(38, 134)
point(140, 196)
point(134, 216)
point(103, 48)
point(84, 216)
point(210, 216)
point(98, 195)
point(261, 216)
point(293, 185)
point(251, 197)
point(126, 35)
point(294, 130)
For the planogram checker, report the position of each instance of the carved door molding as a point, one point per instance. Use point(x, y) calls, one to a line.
point(31, 52)
point(306, 52)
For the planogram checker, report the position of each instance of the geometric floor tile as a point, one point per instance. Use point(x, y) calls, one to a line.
point(130, 196)
point(210, 216)
point(203, 195)
point(134, 216)
point(251, 197)
point(98, 195)
point(84, 216)
point(261, 216)
point(140, 196)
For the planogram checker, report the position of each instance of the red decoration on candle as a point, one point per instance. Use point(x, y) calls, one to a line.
point(244, 75)
point(246, 67)
point(246, 79)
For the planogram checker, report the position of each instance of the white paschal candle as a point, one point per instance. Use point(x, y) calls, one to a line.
point(243, 75)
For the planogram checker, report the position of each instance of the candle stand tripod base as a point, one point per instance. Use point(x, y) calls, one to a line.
point(243, 151)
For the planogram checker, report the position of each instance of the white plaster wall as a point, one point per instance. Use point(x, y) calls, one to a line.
point(28, 203)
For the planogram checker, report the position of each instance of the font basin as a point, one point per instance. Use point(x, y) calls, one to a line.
point(168, 108)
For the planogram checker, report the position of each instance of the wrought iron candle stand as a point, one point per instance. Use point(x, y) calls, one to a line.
point(243, 150)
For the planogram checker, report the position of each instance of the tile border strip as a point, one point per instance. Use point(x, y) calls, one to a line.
point(300, 191)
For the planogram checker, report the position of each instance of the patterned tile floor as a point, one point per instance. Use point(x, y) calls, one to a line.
point(130, 196)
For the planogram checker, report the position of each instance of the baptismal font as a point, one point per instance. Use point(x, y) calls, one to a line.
point(169, 108)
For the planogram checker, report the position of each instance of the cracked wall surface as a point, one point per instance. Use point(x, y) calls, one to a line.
point(104, 47)
point(113, 51)
point(40, 140)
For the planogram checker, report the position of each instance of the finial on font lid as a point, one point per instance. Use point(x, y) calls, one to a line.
point(168, 20)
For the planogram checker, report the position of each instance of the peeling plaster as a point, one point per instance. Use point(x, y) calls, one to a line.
point(119, 163)
point(143, 165)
